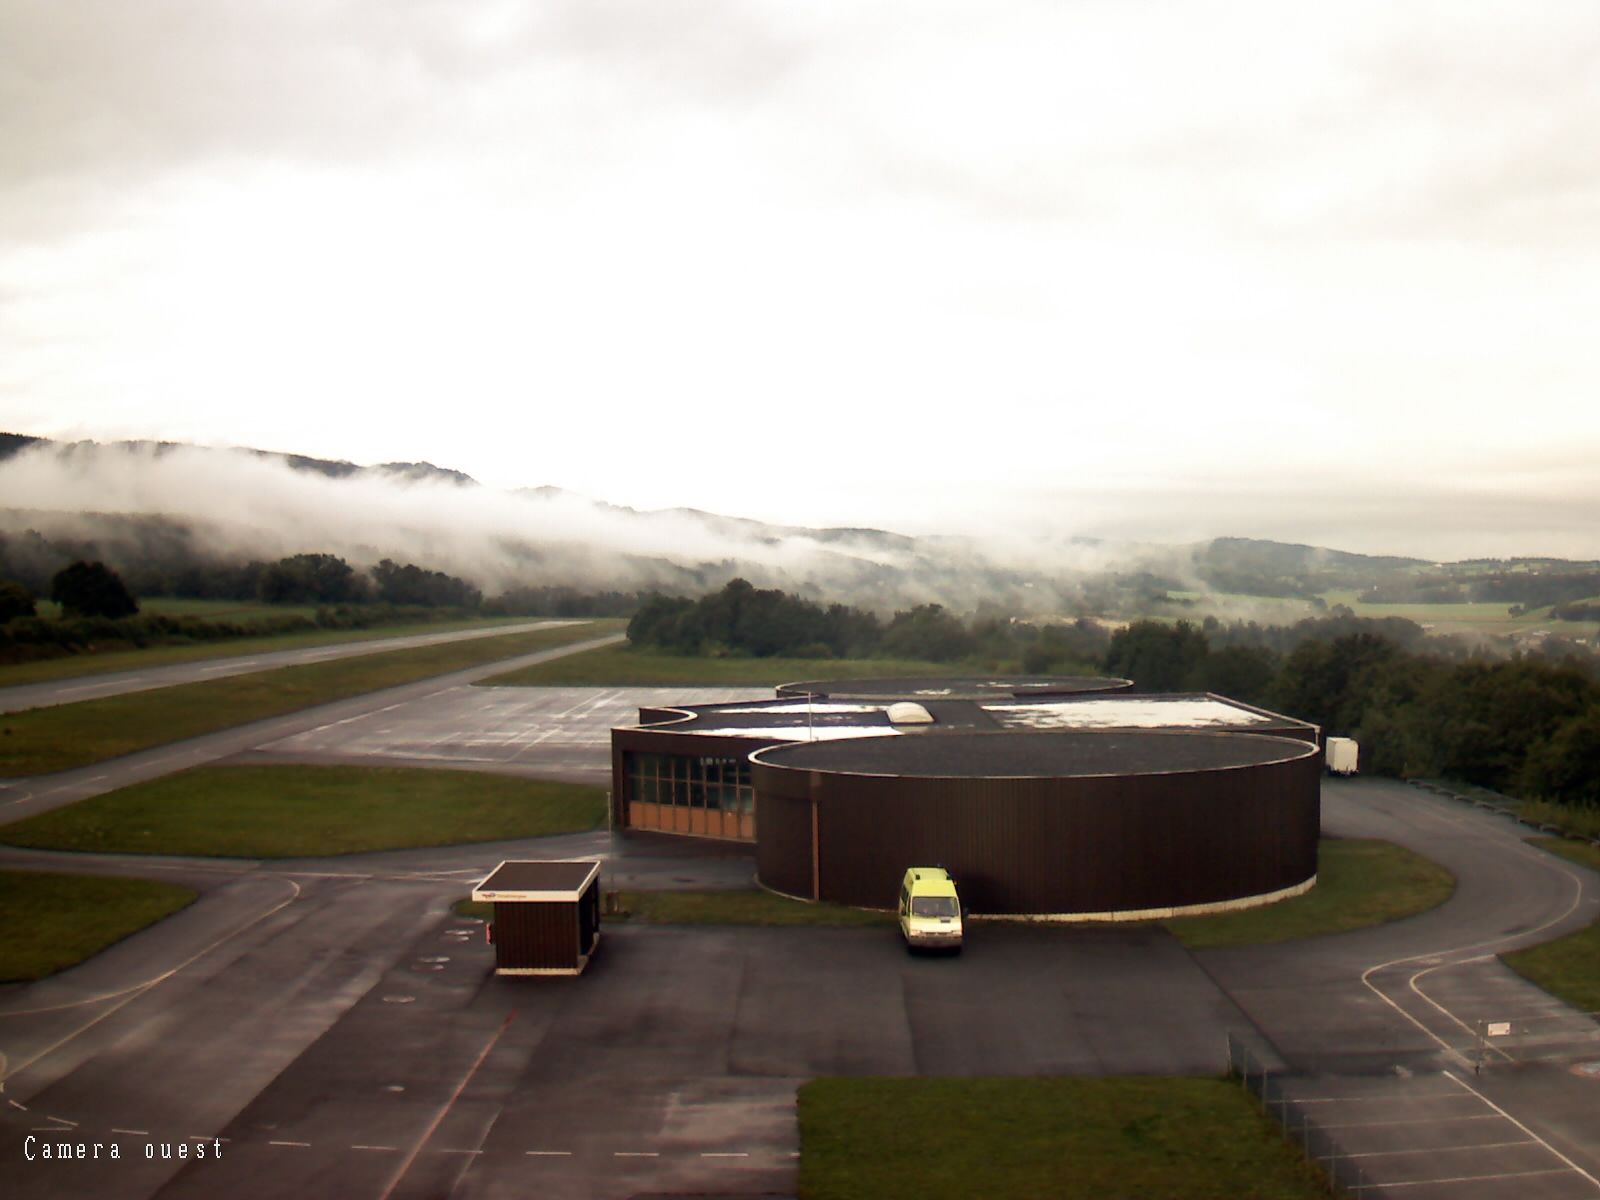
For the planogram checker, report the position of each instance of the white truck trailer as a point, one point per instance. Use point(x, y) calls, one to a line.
point(1342, 755)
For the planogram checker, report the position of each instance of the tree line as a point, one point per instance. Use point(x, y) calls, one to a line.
point(1528, 724)
point(1419, 706)
point(100, 611)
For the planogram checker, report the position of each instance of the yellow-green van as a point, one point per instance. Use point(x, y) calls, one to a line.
point(930, 910)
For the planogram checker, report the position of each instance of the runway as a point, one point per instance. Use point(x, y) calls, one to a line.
point(117, 683)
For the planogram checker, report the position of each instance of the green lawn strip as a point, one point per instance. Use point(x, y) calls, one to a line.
point(624, 665)
point(73, 666)
point(49, 922)
point(1569, 967)
point(1581, 853)
point(744, 906)
point(1569, 818)
point(297, 812)
point(1359, 883)
point(1068, 1139)
point(75, 735)
point(221, 610)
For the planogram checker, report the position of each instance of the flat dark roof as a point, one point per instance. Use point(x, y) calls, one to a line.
point(1038, 755)
point(527, 880)
point(969, 687)
point(799, 719)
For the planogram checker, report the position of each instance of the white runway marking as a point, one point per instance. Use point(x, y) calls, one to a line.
point(1462, 1084)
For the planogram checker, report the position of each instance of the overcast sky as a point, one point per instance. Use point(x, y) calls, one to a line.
point(1327, 273)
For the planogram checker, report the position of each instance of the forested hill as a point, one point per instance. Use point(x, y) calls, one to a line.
point(170, 509)
point(14, 443)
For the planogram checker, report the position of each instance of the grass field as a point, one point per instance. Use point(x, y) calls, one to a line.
point(1025, 1139)
point(625, 666)
point(298, 812)
point(222, 610)
point(49, 922)
point(1359, 883)
point(1493, 619)
point(74, 666)
point(74, 735)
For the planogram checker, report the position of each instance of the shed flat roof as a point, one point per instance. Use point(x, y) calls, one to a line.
point(1042, 756)
point(531, 880)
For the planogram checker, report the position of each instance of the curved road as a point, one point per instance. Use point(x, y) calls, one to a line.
point(117, 683)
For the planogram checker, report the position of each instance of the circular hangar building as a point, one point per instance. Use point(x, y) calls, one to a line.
point(1071, 824)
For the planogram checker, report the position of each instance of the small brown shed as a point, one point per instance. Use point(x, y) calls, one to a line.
point(546, 916)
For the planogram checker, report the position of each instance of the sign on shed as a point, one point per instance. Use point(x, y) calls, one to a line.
point(546, 916)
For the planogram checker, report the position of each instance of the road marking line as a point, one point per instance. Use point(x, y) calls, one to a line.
point(635, 1154)
point(1468, 1178)
point(132, 1132)
point(1544, 860)
point(1426, 1150)
point(1413, 1099)
point(449, 1104)
point(721, 1154)
point(305, 1144)
point(19, 1107)
point(1524, 1128)
point(548, 1153)
point(138, 989)
point(63, 1121)
point(355, 1147)
point(458, 1151)
point(1420, 1121)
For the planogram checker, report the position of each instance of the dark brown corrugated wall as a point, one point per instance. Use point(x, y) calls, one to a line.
point(536, 934)
point(783, 846)
point(1069, 845)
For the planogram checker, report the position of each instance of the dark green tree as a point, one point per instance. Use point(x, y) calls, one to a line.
point(660, 622)
point(92, 589)
point(1329, 682)
point(1479, 720)
point(411, 584)
point(15, 601)
point(1157, 657)
point(928, 631)
point(1565, 767)
point(311, 579)
point(1238, 672)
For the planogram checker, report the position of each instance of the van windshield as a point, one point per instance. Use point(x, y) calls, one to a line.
point(933, 906)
